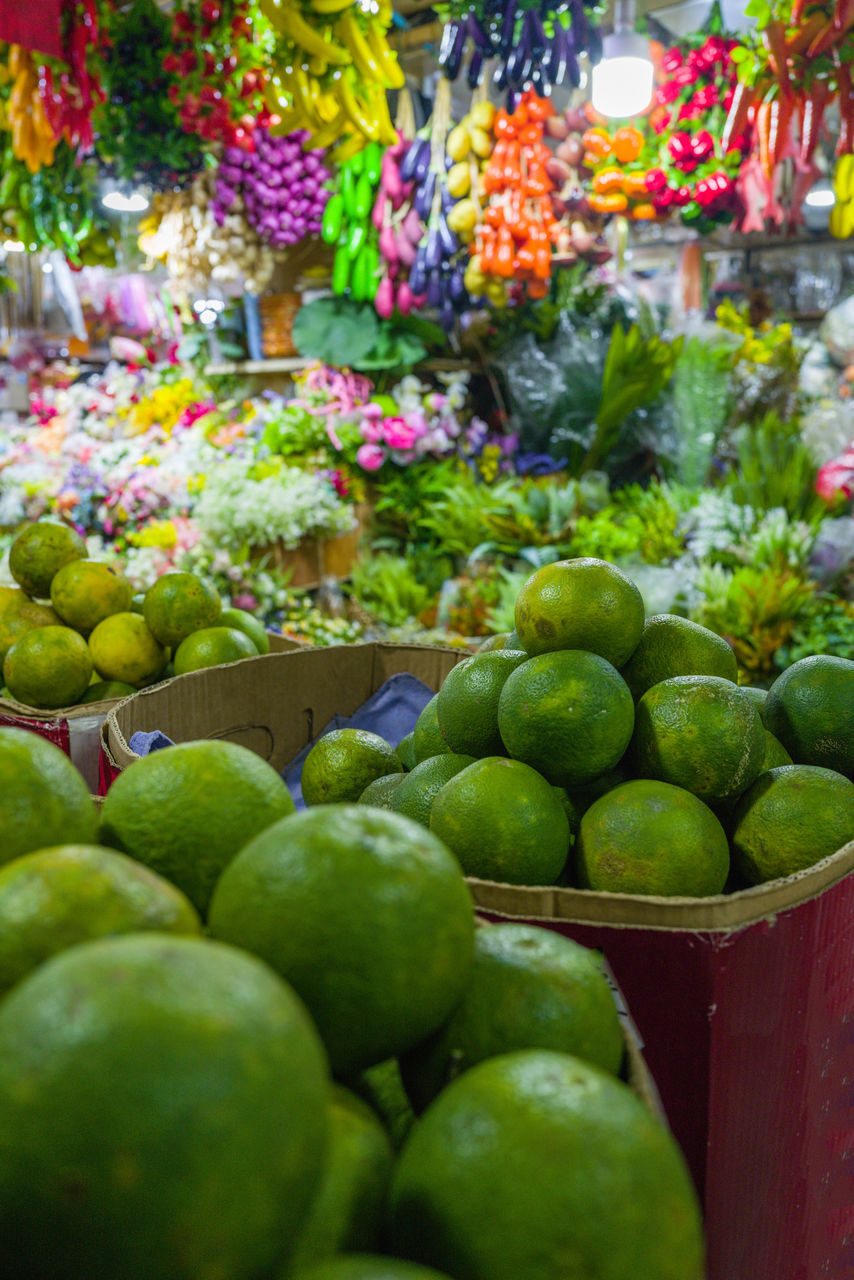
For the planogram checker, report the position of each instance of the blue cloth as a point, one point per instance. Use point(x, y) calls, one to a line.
point(144, 743)
point(391, 712)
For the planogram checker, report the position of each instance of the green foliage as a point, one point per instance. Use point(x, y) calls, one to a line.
point(774, 469)
point(702, 401)
point(502, 615)
point(827, 628)
point(637, 369)
point(325, 328)
point(755, 610)
point(536, 513)
point(637, 523)
point(139, 131)
point(387, 587)
point(291, 431)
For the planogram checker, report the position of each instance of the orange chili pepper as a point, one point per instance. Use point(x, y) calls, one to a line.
point(643, 212)
point(627, 143)
point(608, 180)
point(614, 202)
point(597, 141)
point(537, 289)
point(634, 185)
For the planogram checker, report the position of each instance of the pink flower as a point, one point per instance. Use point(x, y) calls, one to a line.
point(371, 457)
point(244, 601)
point(372, 430)
point(398, 433)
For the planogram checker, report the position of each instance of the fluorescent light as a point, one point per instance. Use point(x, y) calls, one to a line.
point(14, 246)
point(121, 203)
point(622, 81)
point(821, 196)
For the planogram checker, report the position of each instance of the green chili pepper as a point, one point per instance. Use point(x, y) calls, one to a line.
point(341, 270)
point(333, 216)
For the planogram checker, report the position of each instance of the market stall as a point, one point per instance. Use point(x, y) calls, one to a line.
point(426, 482)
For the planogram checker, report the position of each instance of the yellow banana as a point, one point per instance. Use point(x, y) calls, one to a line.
point(348, 28)
point(328, 133)
point(302, 97)
point(378, 106)
point(387, 60)
point(290, 24)
point(354, 109)
point(330, 6)
point(348, 148)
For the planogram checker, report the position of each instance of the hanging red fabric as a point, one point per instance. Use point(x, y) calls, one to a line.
point(35, 25)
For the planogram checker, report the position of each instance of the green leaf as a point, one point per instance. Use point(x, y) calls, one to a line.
point(325, 328)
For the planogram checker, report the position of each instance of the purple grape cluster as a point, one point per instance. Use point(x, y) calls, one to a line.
point(282, 187)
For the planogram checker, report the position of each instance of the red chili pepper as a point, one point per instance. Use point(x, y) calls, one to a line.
point(656, 180)
point(774, 36)
point(815, 103)
point(845, 140)
point(736, 121)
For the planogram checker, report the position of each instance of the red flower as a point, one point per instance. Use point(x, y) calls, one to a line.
point(661, 123)
point(672, 59)
point(667, 93)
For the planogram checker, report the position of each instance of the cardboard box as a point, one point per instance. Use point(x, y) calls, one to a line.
point(745, 1007)
point(274, 705)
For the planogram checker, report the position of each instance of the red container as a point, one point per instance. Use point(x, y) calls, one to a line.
point(744, 1005)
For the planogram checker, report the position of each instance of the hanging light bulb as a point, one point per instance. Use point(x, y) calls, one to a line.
point(622, 80)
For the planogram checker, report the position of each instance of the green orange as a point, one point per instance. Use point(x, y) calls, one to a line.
point(43, 798)
point(673, 646)
point(791, 818)
point(810, 708)
point(84, 592)
point(341, 764)
point(124, 649)
point(580, 604)
point(48, 667)
point(467, 703)
point(39, 551)
point(178, 604)
point(212, 646)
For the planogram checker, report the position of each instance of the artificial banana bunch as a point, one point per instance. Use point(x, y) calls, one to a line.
point(33, 140)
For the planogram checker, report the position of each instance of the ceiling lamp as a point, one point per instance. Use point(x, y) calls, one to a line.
point(622, 81)
point(124, 202)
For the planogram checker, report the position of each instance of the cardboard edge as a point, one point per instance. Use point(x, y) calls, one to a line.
point(723, 913)
point(78, 711)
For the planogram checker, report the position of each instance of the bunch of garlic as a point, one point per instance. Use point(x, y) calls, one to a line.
point(195, 249)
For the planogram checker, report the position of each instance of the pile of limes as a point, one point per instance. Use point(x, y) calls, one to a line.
point(597, 748)
point(242, 1042)
point(95, 640)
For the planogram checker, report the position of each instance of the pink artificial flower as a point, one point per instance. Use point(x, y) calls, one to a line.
point(244, 601)
point(398, 433)
point(371, 457)
point(836, 478)
point(372, 430)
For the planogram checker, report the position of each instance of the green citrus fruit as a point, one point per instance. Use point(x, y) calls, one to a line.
point(700, 733)
point(187, 810)
point(341, 764)
point(84, 592)
point(419, 788)
point(650, 837)
point(577, 800)
point(162, 1113)
point(568, 714)
point(20, 616)
point(240, 620)
point(102, 690)
point(757, 696)
point(498, 641)
point(503, 821)
point(210, 647)
point(55, 898)
point(467, 703)
point(43, 798)
point(672, 646)
point(364, 1266)
point(530, 988)
point(124, 649)
point(810, 708)
point(380, 792)
point(346, 1213)
point(48, 667)
point(382, 1088)
point(775, 753)
point(537, 1166)
point(406, 751)
point(39, 550)
point(580, 604)
point(427, 738)
point(791, 818)
point(178, 604)
point(365, 913)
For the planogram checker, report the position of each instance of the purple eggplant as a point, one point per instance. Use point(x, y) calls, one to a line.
point(448, 241)
point(447, 316)
point(554, 62)
point(410, 160)
point(422, 166)
point(537, 41)
point(434, 287)
point(499, 75)
point(511, 100)
point(474, 74)
point(433, 251)
point(423, 201)
point(418, 276)
point(508, 28)
point(446, 47)
point(452, 66)
point(573, 70)
point(482, 40)
point(456, 285)
point(448, 200)
point(516, 63)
